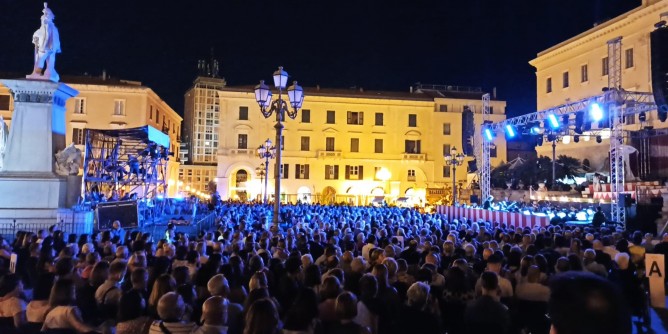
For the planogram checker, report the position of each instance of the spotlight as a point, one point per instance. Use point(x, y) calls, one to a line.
point(553, 121)
point(579, 117)
point(510, 131)
point(595, 112)
point(599, 139)
point(536, 130)
point(566, 140)
point(576, 139)
point(488, 134)
point(642, 117)
point(551, 137)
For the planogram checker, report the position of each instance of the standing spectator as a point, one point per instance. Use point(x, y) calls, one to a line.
point(486, 314)
point(346, 311)
point(414, 316)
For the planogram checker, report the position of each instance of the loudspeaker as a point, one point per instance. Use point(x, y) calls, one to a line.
point(659, 47)
point(468, 131)
point(125, 212)
point(625, 199)
point(474, 199)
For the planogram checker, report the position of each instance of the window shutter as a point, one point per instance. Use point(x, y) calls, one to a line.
point(336, 172)
point(360, 175)
point(297, 171)
point(286, 171)
point(361, 117)
point(347, 172)
point(306, 170)
point(350, 117)
point(419, 150)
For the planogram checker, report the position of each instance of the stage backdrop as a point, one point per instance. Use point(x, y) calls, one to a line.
point(508, 218)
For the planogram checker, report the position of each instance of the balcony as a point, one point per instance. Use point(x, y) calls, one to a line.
point(329, 154)
point(241, 151)
point(414, 156)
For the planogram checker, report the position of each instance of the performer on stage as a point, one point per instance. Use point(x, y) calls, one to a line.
point(599, 218)
point(488, 203)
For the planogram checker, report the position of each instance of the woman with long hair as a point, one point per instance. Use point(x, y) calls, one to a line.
point(162, 285)
point(64, 314)
point(262, 318)
point(12, 305)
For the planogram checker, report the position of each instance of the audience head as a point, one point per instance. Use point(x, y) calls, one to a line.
point(214, 311)
point(262, 318)
point(171, 307)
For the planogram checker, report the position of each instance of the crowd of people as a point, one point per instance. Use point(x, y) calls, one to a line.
point(327, 269)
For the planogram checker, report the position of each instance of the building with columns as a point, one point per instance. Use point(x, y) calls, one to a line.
point(577, 68)
point(106, 103)
point(350, 146)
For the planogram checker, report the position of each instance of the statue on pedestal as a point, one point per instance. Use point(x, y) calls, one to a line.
point(47, 44)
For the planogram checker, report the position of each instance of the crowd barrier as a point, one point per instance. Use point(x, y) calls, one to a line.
point(509, 218)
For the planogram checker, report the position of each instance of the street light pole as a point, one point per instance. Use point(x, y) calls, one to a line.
point(263, 96)
point(454, 159)
point(266, 151)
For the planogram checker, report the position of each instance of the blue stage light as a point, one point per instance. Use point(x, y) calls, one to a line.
point(595, 112)
point(489, 135)
point(535, 130)
point(510, 131)
point(561, 215)
point(554, 122)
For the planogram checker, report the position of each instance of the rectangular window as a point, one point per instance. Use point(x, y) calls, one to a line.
point(443, 108)
point(306, 144)
point(78, 136)
point(630, 119)
point(331, 117)
point(446, 149)
point(604, 66)
point(243, 113)
point(331, 172)
point(411, 175)
point(301, 172)
point(306, 116)
point(548, 85)
point(355, 117)
point(243, 141)
point(565, 79)
point(329, 144)
point(446, 128)
point(412, 120)
point(285, 171)
point(412, 146)
point(354, 172)
point(354, 145)
point(491, 109)
point(379, 119)
point(282, 143)
point(4, 102)
point(157, 116)
point(446, 171)
point(79, 105)
point(378, 146)
point(584, 73)
point(628, 57)
point(119, 107)
point(492, 151)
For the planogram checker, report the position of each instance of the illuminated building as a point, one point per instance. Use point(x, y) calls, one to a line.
point(350, 146)
point(578, 68)
point(105, 103)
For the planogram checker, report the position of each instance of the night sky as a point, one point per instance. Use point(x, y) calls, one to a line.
point(378, 45)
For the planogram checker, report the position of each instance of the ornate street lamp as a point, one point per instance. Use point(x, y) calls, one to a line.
point(263, 96)
point(265, 151)
point(454, 159)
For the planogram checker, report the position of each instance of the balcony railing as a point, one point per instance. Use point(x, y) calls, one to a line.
point(241, 151)
point(329, 154)
point(414, 156)
point(411, 178)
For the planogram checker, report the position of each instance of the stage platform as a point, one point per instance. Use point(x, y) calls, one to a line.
point(509, 218)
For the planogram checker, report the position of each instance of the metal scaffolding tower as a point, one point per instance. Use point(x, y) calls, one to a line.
point(616, 118)
point(482, 148)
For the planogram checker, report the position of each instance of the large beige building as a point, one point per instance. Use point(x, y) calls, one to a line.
point(200, 133)
point(105, 103)
point(578, 68)
point(349, 145)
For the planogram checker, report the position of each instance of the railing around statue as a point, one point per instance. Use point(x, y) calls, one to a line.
point(206, 222)
point(8, 230)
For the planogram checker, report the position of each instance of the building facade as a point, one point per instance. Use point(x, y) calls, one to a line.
point(105, 103)
point(200, 133)
point(348, 145)
point(578, 68)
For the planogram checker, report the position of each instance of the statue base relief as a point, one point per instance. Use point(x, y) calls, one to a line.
point(48, 76)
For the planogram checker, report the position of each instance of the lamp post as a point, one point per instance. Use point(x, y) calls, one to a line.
point(454, 159)
point(265, 151)
point(260, 172)
point(263, 96)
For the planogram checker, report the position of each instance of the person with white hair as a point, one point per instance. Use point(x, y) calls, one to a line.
point(416, 315)
point(625, 277)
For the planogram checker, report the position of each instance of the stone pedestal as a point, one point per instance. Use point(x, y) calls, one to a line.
point(31, 191)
